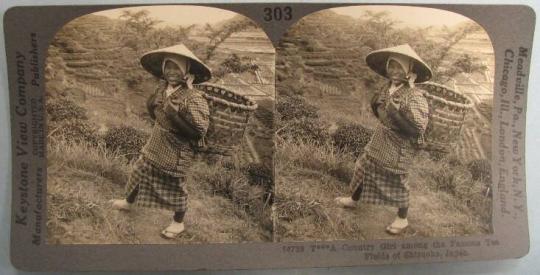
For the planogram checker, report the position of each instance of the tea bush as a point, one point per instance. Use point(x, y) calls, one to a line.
point(259, 174)
point(306, 129)
point(235, 64)
point(352, 138)
point(64, 109)
point(126, 140)
point(74, 131)
point(480, 170)
point(234, 185)
point(295, 107)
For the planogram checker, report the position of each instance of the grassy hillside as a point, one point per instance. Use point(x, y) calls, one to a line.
point(83, 178)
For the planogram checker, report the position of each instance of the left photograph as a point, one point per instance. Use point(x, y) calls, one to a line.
point(160, 128)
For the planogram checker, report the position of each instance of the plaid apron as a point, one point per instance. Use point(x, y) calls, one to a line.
point(156, 188)
point(380, 186)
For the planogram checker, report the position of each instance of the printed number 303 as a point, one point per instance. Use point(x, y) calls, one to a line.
point(278, 14)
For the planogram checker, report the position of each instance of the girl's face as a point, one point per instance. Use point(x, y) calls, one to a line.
point(395, 71)
point(173, 74)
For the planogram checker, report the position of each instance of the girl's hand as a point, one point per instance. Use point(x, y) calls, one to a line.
point(393, 105)
point(375, 103)
point(152, 103)
point(411, 78)
point(158, 100)
point(189, 78)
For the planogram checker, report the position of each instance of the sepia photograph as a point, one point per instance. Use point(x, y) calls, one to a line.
point(159, 123)
point(244, 136)
point(383, 125)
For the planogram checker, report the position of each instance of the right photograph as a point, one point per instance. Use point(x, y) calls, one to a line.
point(383, 126)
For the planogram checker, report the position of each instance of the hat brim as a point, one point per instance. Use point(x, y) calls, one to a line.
point(377, 62)
point(152, 62)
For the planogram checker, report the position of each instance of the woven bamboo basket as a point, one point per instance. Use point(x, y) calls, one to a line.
point(447, 112)
point(229, 117)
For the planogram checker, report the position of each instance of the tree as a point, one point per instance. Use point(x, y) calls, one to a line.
point(139, 22)
point(376, 29)
point(465, 63)
point(441, 51)
point(219, 35)
point(135, 28)
point(169, 36)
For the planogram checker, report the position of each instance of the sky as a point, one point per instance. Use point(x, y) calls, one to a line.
point(409, 16)
point(178, 15)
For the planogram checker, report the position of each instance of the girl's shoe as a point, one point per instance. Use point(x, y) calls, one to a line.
point(173, 230)
point(121, 205)
point(346, 202)
point(397, 227)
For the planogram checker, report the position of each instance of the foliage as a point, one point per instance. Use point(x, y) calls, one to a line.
point(377, 29)
point(234, 185)
point(64, 109)
point(74, 131)
point(468, 64)
point(135, 29)
point(126, 140)
point(437, 154)
point(450, 179)
point(259, 174)
point(139, 21)
point(170, 36)
point(449, 175)
point(305, 130)
point(235, 64)
point(298, 120)
point(295, 107)
point(480, 170)
point(436, 54)
point(352, 138)
point(219, 35)
point(290, 86)
point(89, 159)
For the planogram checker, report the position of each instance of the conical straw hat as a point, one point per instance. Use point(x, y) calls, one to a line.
point(376, 60)
point(152, 61)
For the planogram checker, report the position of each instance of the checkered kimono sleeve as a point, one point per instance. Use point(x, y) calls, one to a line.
point(195, 110)
point(199, 114)
point(416, 111)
